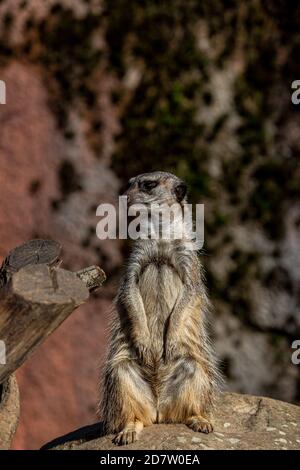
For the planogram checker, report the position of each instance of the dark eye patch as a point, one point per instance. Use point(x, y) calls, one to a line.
point(180, 191)
point(147, 185)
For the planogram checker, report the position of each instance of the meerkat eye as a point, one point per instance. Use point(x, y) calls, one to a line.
point(180, 191)
point(147, 185)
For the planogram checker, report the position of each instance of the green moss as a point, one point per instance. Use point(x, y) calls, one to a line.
point(275, 184)
point(159, 130)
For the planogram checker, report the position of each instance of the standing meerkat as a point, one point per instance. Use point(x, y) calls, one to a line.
point(160, 367)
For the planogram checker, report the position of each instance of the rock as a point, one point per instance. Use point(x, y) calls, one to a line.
point(241, 422)
point(9, 411)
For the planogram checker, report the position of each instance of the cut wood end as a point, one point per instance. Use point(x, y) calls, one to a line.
point(35, 251)
point(42, 284)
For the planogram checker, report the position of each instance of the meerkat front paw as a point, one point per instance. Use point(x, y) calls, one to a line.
point(199, 424)
point(127, 436)
point(143, 350)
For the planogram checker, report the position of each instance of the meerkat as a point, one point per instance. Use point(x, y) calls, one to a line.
point(160, 366)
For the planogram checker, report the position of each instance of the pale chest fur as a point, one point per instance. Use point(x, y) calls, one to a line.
point(159, 286)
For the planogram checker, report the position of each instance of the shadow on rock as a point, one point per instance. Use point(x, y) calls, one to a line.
point(86, 433)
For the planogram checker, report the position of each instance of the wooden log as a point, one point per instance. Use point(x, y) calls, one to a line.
point(36, 297)
point(93, 277)
point(32, 252)
point(9, 411)
point(32, 305)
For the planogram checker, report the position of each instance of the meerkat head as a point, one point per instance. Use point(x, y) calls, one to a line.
point(157, 187)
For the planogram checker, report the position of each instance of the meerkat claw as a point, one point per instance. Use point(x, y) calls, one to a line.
point(200, 424)
point(126, 436)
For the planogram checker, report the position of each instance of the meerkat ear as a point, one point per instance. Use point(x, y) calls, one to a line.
point(180, 191)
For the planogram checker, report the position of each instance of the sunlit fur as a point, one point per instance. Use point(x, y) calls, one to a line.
point(160, 367)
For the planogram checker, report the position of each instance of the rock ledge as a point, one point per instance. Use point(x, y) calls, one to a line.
point(241, 422)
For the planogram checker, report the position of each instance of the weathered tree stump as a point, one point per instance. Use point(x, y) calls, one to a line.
point(32, 252)
point(32, 305)
point(36, 297)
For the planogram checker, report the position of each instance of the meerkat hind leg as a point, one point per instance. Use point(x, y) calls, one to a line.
point(133, 405)
point(185, 395)
point(199, 424)
point(129, 434)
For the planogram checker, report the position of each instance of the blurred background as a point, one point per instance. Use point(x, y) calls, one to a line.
point(99, 91)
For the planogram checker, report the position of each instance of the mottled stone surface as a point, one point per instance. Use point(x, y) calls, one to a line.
point(241, 422)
